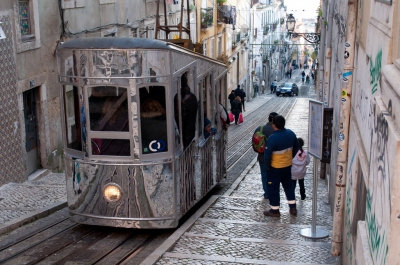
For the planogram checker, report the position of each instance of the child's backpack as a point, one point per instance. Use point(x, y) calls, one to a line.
point(258, 141)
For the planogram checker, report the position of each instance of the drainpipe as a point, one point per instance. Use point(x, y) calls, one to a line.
point(321, 54)
point(344, 122)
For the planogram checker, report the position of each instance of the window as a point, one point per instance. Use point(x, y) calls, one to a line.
point(219, 52)
point(24, 23)
point(73, 121)
point(212, 48)
point(205, 48)
point(153, 121)
point(27, 25)
point(134, 33)
point(109, 121)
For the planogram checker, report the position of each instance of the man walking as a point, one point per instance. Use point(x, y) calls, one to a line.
point(266, 131)
point(281, 147)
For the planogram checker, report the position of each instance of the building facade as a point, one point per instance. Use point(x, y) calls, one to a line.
point(360, 80)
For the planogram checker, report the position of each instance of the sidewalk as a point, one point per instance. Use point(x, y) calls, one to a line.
point(22, 203)
point(231, 229)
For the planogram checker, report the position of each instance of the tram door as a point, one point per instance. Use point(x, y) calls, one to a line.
point(30, 117)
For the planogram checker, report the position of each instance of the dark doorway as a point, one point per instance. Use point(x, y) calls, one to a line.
point(31, 129)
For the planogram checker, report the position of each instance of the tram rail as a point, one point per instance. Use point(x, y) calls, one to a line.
point(62, 241)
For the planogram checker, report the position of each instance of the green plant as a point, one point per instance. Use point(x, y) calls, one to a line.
point(276, 41)
point(221, 1)
point(191, 8)
point(325, 23)
point(319, 11)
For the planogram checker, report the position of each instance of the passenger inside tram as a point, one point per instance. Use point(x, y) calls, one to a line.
point(189, 106)
point(208, 129)
point(153, 125)
point(108, 111)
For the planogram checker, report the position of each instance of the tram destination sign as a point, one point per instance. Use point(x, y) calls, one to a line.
point(315, 128)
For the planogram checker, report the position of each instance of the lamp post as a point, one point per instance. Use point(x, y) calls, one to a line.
point(310, 37)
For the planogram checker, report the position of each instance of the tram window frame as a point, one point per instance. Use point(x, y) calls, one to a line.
point(95, 135)
point(76, 104)
point(169, 109)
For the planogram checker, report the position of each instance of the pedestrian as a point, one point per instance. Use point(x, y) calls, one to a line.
point(267, 131)
point(274, 85)
point(299, 168)
point(238, 92)
point(231, 97)
point(263, 86)
point(281, 147)
point(243, 99)
point(236, 108)
point(303, 75)
point(290, 72)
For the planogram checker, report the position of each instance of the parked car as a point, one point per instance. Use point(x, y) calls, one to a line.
point(287, 89)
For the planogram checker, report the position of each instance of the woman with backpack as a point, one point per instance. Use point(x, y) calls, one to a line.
point(299, 168)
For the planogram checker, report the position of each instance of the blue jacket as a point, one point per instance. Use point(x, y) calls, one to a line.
point(281, 147)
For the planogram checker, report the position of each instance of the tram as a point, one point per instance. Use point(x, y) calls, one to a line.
point(135, 149)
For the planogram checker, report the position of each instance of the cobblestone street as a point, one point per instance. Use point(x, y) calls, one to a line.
point(231, 229)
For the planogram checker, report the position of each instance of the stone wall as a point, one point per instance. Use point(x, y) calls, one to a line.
point(11, 163)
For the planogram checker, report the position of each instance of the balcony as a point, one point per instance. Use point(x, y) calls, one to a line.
point(226, 14)
point(207, 17)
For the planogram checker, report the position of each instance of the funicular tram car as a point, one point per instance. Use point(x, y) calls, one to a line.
point(124, 127)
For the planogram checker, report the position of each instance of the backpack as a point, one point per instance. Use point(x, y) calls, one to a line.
point(258, 141)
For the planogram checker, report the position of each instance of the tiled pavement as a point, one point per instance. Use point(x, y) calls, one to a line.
point(231, 229)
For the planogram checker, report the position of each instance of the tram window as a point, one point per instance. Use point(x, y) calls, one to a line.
point(108, 109)
point(111, 147)
point(153, 122)
point(72, 118)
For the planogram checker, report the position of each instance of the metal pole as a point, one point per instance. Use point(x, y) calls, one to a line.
point(314, 198)
point(313, 232)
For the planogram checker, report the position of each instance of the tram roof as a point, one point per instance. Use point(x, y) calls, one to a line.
point(114, 43)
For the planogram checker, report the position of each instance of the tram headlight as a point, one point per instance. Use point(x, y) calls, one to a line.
point(112, 192)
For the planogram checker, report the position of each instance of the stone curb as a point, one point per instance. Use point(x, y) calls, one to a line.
point(30, 217)
point(171, 241)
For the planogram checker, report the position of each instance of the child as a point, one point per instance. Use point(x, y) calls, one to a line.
point(299, 164)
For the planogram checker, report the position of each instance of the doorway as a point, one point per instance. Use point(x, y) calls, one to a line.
point(31, 129)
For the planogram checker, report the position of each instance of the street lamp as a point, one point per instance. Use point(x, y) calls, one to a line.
point(310, 37)
point(290, 23)
point(261, 52)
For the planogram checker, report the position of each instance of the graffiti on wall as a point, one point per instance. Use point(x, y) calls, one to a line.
point(378, 196)
point(375, 71)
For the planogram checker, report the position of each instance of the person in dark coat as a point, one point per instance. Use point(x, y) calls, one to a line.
point(231, 97)
point(238, 92)
point(236, 108)
point(243, 98)
point(267, 131)
point(189, 106)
